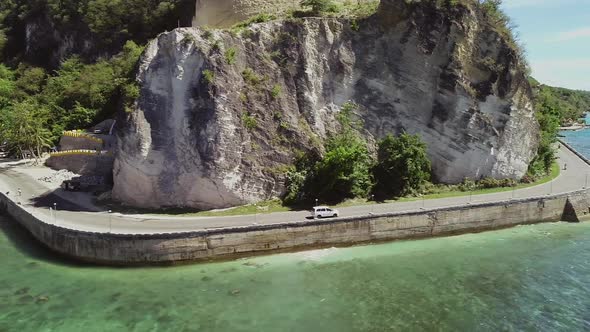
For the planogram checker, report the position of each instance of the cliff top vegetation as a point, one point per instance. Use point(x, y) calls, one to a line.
point(95, 77)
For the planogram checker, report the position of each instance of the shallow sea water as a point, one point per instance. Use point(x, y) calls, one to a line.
point(579, 140)
point(531, 278)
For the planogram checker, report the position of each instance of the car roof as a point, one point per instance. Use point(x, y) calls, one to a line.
point(321, 207)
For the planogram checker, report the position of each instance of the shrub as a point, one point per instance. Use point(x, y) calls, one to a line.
point(344, 171)
point(318, 7)
point(295, 182)
point(208, 76)
point(251, 77)
point(207, 34)
point(354, 25)
point(215, 46)
point(468, 185)
point(276, 91)
point(402, 166)
point(488, 183)
point(249, 121)
point(230, 55)
point(260, 18)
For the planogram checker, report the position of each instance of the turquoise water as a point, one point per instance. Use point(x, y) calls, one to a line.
point(579, 140)
point(532, 278)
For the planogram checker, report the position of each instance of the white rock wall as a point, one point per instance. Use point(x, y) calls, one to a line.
point(187, 145)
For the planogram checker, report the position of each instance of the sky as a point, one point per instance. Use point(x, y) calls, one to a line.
point(556, 35)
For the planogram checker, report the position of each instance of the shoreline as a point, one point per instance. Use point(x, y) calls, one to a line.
point(93, 237)
point(231, 243)
point(574, 128)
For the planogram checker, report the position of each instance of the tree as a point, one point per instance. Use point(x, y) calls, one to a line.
point(548, 114)
point(344, 170)
point(320, 6)
point(402, 166)
point(24, 127)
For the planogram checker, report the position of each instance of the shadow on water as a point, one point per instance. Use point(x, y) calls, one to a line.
point(24, 242)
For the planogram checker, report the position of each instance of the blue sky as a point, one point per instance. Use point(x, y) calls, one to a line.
point(556, 34)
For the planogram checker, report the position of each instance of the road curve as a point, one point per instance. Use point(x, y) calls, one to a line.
point(573, 178)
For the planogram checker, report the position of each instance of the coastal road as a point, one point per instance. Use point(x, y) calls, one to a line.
point(573, 178)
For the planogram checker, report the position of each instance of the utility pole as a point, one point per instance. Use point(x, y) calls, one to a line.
point(255, 213)
point(55, 213)
point(110, 222)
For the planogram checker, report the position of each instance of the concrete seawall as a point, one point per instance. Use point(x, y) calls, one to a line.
point(119, 249)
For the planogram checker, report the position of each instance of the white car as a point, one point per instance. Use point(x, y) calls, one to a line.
point(324, 212)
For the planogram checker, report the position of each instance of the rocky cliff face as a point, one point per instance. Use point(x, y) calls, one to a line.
point(220, 115)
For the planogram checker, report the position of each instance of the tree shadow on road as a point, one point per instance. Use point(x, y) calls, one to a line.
point(54, 199)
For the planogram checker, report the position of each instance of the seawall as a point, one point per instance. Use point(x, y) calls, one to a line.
point(569, 147)
point(120, 249)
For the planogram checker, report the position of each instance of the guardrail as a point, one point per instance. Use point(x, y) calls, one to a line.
point(76, 134)
point(81, 153)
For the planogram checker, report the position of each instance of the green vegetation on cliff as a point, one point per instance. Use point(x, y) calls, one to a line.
point(105, 25)
point(75, 96)
point(347, 169)
point(402, 166)
point(571, 104)
point(89, 85)
point(554, 107)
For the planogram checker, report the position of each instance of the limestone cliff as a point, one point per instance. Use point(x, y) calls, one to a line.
point(221, 114)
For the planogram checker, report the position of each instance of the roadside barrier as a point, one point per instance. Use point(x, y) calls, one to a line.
point(76, 134)
point(81, 153)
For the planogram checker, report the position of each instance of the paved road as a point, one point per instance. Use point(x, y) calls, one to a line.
point(574, 178)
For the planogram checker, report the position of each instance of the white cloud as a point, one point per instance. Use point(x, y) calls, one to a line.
point(583, 32)
point(567, 73)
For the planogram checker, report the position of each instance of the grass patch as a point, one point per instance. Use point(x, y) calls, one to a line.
point(249, 121)
point(265, 207)
point(260, 18)
point(276, 91)
point(348, 9)
point(276, 205)
point(251, 77)
point(555, 171)
point(208, 76)
point(230, 55)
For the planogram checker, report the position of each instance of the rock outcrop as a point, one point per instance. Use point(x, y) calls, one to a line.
point(221, 114)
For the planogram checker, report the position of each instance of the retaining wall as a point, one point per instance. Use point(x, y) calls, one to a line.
point(83, 164)
point(80, 143)
point(119, 249)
